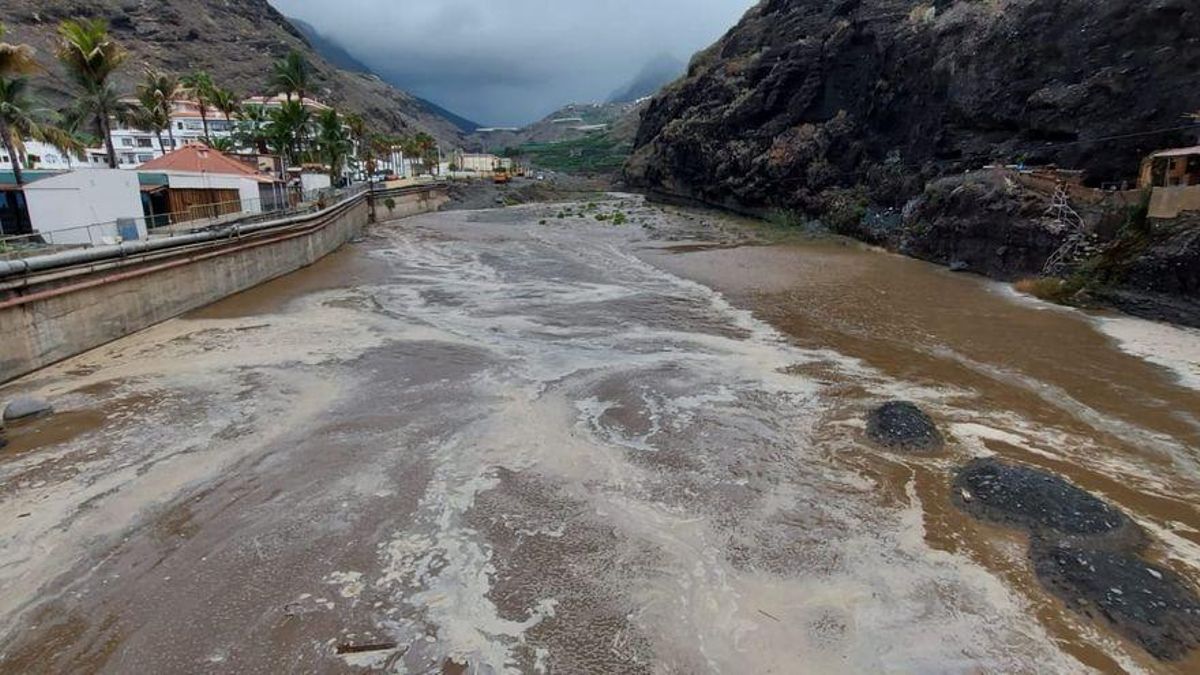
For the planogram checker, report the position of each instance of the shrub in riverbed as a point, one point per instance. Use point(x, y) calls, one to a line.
point(1050, 289)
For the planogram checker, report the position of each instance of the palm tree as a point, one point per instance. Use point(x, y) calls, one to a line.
point(333, 142)
point(200, 87)
point(223, 144)
point(16, 59)
point(227, 103)
point(158, 92)
point(423, 148)
point(290, 76)
point(152, 117)
point(288, 127)
point(70, 135)
point(90, 57)
point(357, 126)
point(16, 121)
point(251, 130)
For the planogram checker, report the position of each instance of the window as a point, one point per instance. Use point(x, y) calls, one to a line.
point(142, 159)
point(179, 125)
point(127, 142)
point(145, 143)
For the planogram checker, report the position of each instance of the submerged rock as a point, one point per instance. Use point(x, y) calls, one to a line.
point(902, 425)
point(1151, 606)
point(26, 406)
point(1035, 500)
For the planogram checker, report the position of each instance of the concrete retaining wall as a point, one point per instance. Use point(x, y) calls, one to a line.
point(1169, 202)
point(407, 203)
point(64, 313)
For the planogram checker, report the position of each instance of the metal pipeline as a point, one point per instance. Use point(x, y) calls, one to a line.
point(24, 266)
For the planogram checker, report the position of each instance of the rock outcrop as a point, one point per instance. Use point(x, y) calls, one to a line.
point(805, 98)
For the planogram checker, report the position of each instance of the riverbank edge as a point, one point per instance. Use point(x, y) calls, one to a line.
point(1152, 306)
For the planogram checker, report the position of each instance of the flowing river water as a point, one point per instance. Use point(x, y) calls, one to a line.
point(505, 441)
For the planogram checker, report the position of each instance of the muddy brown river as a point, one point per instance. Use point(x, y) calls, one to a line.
point(505, 441)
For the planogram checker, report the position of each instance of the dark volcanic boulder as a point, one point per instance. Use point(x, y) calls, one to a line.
point(1038, 501)
point(901, 425)
point(819, 105)
point(1150, 605)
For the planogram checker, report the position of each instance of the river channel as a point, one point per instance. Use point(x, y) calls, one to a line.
point(532, 440)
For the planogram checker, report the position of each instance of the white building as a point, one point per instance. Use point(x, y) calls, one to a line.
point(481, 162)
point(86, 207)
point(135, 147)
point(42, 156)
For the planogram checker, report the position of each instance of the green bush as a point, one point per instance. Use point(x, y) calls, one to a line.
point(619, 218)
point(785, 218)
point(390, 204)
point(845, 211)
point(1137, 217)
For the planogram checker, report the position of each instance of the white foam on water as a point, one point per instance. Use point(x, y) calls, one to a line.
point(890, 603)
point(1175, 348)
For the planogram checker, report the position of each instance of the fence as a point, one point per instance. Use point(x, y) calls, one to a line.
point(198, 218)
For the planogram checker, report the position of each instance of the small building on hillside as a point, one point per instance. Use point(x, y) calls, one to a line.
point(197, 182)
point(1177, 167)
point(480, 162)
point(1173, 176)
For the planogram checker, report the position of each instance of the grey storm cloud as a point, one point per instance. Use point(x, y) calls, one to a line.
point(509, 62)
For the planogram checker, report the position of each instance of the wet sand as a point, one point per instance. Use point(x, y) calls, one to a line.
point(477, 443)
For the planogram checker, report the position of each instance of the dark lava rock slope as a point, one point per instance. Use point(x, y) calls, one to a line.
point(806, 98)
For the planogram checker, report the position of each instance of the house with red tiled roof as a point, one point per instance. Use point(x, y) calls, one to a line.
point(197, 182)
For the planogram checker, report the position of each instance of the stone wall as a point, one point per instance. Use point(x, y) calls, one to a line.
point(1169, 202)
point(61, 313)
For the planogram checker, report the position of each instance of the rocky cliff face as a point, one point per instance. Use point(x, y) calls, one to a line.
point(235, 41)
point(806, 98)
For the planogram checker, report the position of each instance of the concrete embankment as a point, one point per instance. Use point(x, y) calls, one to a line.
point(57, 308)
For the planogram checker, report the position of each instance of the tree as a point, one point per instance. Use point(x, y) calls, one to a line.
point(16, 121)
point(425, 148)
point(290, 76)
point(90, 57)
point(70, 134)
point(16, 59)
point(227, 103)
point(333, 142)
point(158, 92)
point(357, 126)
point(200, 87)
point(287, 129)
point(251, 131)
point(223, 144)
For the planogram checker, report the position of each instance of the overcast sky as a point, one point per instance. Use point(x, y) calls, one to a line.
point(510, 62)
